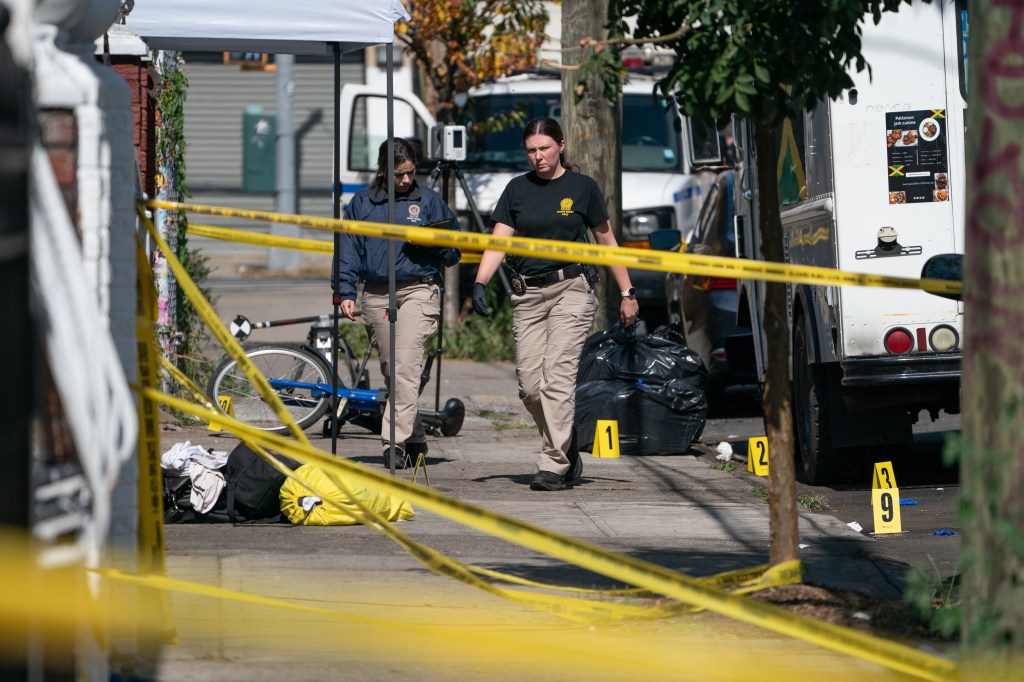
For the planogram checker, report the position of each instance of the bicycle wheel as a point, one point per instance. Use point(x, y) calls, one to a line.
point(292, 372)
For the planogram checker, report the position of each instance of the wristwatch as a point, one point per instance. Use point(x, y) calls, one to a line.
point(629, 293)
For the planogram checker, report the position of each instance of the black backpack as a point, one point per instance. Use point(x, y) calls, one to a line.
point(250, 493)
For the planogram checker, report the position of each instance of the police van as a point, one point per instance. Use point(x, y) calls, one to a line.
point(873, 182)
point(662, 186)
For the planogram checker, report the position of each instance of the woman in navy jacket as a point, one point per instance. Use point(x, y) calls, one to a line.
point(418, 275)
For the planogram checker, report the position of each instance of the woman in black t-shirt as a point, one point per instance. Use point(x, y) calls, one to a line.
point(553, 302)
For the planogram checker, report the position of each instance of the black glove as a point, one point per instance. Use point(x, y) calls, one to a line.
point(480, 300)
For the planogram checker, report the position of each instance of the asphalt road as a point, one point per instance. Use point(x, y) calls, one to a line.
point(922, 476)
point(919, 470)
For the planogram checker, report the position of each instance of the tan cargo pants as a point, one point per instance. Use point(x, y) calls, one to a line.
point(419, 307)
point(550, 325)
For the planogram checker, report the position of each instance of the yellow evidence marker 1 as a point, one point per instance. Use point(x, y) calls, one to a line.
point(885, 502)
point(606, 438)
point(225, 405)
point(757, 455)
point(884, 476)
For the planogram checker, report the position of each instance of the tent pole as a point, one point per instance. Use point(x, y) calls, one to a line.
point(392, 302)
point(336, 293)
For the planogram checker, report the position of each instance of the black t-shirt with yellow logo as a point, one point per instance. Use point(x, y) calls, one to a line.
point(563, 208)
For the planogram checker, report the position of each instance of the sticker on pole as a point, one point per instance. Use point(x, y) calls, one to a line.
point(606, 438)
point(240, 327)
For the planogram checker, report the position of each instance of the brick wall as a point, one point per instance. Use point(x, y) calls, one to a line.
point(140, 81)
point(60, 139)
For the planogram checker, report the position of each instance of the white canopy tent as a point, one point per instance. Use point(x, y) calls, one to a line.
point(290, 27)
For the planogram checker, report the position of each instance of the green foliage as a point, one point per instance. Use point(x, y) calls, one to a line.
point(356, 337)
point(757, 60)
point(813, 503)
point(723, 466)
point(190, 336)
point(460, 45)
point(936, 600)
point(477, 338)
point(484, 338)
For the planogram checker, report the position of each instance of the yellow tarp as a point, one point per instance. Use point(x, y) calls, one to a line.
point(323, 503)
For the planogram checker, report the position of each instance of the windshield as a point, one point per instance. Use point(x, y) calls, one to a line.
point(650, 141)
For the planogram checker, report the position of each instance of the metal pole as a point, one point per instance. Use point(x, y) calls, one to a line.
point(285, 196)
point(336, 294)
point(440, 318)
point(392, 302)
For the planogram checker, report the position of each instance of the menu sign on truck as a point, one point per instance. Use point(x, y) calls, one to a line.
point(915, 143)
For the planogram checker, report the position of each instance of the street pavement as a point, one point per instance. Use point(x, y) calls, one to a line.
point(674, 511)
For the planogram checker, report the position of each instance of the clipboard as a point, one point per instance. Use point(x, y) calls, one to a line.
point(440, 224)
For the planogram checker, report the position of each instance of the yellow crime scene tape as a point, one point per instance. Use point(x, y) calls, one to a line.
point(647, 576)
point(274, 241)
point(441, 564)
point(220, 332)
point(597, 254)
point(583, 611)
point(654, 578)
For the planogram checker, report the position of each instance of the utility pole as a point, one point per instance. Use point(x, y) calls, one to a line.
point(285, 200)
point(593, 133)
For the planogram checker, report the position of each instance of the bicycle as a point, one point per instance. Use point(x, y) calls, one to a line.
point(300, 375)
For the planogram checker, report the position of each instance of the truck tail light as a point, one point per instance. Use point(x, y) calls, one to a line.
point(944, 338)
point(899, 341)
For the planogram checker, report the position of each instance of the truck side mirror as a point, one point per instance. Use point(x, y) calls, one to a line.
point(945, 266)
point(665, 240)
point(705, 145)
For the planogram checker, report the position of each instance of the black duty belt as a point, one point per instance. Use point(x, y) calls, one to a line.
point(544, 279)
point(429, 279)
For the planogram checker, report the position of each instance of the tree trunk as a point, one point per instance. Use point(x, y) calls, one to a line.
point(593, 133)
point(992, 457)
point(778, 413)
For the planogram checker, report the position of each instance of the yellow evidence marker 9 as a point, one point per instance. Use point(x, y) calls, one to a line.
point(757, 455)
point(885, 502)
point(606, 438)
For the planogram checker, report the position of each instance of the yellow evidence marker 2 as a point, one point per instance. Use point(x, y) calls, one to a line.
point(225, 405)
point(884, 476)
point(885, 502)
point(606, 438)
point(757, 455)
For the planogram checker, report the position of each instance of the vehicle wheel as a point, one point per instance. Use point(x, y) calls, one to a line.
point(810, 414)
point(283, 362)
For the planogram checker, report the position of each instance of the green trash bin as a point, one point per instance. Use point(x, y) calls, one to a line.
point(259, 156)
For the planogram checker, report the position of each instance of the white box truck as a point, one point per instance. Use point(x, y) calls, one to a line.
point(874, 183)
point(662, 187)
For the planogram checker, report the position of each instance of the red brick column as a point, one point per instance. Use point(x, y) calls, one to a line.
point(140, 81)
point(60, 139)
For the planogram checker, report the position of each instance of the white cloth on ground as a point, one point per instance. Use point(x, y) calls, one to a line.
point(203, 468)
point(207, 485)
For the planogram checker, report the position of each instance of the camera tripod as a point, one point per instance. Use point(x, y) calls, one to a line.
point(444, 170)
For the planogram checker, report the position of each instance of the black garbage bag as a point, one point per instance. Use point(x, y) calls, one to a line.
point(652, 385)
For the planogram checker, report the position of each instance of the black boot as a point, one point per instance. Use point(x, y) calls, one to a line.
point(401, 458)
point(575, 461)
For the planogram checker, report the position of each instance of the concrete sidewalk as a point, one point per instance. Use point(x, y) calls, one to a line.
point(673, 510)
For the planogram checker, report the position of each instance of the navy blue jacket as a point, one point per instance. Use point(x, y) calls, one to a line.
point(366, 258)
